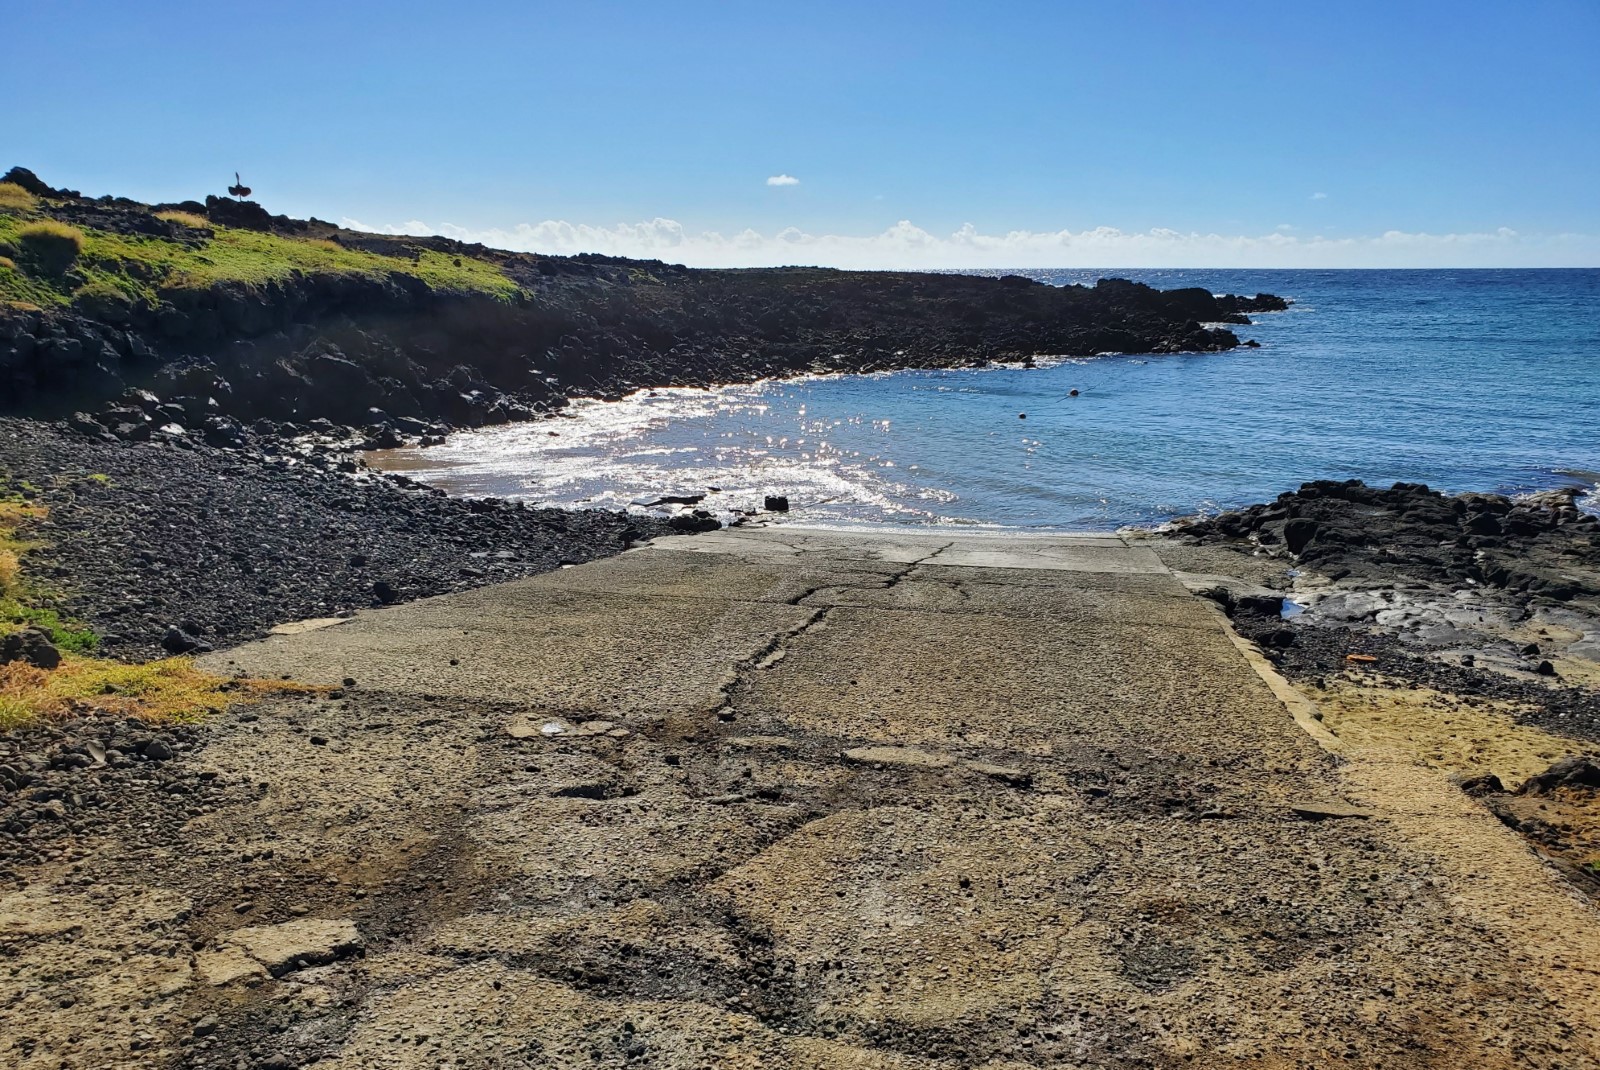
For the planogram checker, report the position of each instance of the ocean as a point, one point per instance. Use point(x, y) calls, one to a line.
point(1464, 380)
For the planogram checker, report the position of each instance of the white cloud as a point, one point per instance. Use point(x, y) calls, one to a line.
point(906, 245)
point(783, 180)
point(1319, 196)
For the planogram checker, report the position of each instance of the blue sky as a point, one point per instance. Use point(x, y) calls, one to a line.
point(1408, 131)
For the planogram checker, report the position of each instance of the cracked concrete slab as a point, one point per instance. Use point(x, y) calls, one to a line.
point(530, 642)
point(932, 800)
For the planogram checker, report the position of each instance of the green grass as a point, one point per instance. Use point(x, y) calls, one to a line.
point(68, 635)
point(152, 269)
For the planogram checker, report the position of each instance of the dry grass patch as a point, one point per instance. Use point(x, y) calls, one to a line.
point(51, 245)
point(13, 198)
point(169, 691)
point(1466, 736)
point(185, 219)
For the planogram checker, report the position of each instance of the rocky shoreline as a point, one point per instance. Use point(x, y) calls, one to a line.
point(407, 337)
point(1477, 594)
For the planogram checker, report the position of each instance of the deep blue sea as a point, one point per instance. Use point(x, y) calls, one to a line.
point(1464, 380)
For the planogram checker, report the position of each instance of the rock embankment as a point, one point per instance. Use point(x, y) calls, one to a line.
point(382, 344)
point(1539, 548)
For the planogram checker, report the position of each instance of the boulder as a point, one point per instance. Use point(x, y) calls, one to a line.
point(31, 646)
point(1480, 786)
point(1298, 533)
point(692, 522)
point(31, 182)
point(1483, 524)
point(178, 641)
point(1581, 771)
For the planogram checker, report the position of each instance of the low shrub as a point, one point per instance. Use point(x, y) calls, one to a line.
point(13, 198)
point(52, 246)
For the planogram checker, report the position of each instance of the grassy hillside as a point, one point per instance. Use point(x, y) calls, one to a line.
point(47, 262)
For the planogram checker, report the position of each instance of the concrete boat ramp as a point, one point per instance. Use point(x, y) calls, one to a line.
point(791, 798)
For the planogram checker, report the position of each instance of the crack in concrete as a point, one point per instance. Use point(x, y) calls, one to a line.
point(775, 648)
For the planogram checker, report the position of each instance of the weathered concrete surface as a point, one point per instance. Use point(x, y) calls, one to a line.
point(825, 800)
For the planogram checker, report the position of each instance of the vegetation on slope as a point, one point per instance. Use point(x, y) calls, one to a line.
point(45, 262)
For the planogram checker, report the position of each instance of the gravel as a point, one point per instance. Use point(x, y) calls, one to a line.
point(159, 544)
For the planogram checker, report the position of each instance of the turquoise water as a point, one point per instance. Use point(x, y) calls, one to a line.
point(1465, 380)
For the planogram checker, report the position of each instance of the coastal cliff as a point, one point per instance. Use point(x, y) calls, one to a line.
point(232, 314)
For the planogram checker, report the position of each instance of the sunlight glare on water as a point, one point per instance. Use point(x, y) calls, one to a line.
point(1466, 380)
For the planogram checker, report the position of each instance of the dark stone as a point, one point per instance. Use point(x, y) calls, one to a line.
point(776, 503)
point(85, 424)
point(31, 182)
point(1278, 638)
point(1576, 772)
point(245, 215)
point(1484, 524)
point(689, 523)
point(1479, 786)
point(1261, 605)
point(1298, 533)
point(178, 641)
point(384, 591)
point(31, 646)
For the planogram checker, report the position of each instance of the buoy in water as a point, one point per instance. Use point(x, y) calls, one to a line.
point(1022, 416)
point(1073, 393)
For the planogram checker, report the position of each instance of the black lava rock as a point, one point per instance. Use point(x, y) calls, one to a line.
point(178, 641)
point(1582, 771)
point(32, 646)
point(1298, 533)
